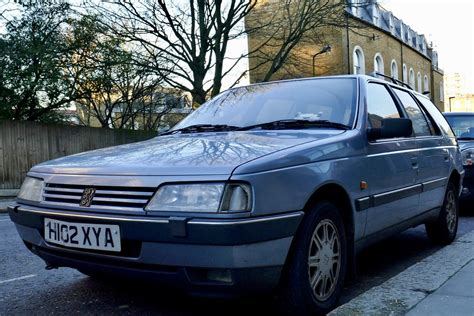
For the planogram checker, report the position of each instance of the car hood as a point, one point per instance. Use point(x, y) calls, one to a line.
point(184, 154)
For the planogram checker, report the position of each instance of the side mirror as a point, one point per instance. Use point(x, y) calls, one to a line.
point(391, 128)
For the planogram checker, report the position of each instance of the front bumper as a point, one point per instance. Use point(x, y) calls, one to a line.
point(185, 253)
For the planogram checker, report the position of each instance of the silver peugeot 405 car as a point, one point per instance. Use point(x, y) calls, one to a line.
point(268, 187)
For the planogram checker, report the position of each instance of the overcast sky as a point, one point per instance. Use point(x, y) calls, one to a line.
point(449, 24)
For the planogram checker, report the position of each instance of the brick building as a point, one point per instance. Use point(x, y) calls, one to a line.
point(372, 40)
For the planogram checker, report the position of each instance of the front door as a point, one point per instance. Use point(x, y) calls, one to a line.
point(392, 166)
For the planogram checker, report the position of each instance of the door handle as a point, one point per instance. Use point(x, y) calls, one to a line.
point(414, 163)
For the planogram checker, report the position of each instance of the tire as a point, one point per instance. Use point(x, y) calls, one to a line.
point(297, 295)
point(443, 230)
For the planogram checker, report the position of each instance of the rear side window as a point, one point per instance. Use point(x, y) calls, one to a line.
point(380, 105)
point(420, 125)
point(437, 116)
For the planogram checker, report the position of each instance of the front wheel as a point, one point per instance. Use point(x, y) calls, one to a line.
point(443, 230)
point(315, 274)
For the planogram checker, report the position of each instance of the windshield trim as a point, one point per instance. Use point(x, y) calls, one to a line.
point(353, 121)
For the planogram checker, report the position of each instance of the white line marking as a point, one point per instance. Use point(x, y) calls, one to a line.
point(18, 279)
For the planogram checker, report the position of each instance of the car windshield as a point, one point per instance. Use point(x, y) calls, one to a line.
point(462, 125)
point(331, 100)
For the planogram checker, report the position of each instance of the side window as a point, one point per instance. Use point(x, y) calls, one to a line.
point(437, 116)
point(420, 125)
point(380, 105)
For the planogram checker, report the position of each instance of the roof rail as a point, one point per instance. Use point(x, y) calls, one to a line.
point(395, 81)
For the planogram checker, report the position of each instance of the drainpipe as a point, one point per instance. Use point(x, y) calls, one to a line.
point(348, 46)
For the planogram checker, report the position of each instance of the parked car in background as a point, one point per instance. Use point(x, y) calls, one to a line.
point(268, 187)
point(462, 124)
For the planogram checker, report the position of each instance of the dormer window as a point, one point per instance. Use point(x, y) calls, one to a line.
point(375, 15)
point(402, 31)
point(390, 23)
point(356, 7)
point(409, 37)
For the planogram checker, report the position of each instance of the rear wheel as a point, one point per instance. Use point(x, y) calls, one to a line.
point(315, 274)
point(443, 230)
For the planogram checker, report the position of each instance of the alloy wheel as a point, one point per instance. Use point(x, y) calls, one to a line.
point(324, 261)
point(451, 211)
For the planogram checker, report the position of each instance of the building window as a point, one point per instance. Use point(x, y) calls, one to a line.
point(356, 7)
point(426, 84)
point(375, 15)
point(390, 24)
point(378, 64)
point(418, 77)
point(405, 73)
point(358, 61)
point(441, 91)
point(402, 30)
point(411, 81)
point(394, 69)
point(409, 37)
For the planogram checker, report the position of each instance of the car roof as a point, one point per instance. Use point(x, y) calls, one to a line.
point(363, 77)
point(458, 113)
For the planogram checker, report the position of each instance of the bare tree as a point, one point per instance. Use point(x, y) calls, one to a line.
point(115, 91)
point(190, 36)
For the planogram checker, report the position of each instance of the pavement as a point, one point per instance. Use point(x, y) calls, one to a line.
point(455, 297)
point(4, 204)
point(441, 284)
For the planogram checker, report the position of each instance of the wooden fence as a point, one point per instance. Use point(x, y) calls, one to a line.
point(24, 144)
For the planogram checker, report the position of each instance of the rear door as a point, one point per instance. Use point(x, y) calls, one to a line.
point(391, 166)
point(432, 156)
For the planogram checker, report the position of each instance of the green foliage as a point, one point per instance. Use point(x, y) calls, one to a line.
point(34, 54)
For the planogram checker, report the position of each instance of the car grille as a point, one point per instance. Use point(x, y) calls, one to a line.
point(105, 197)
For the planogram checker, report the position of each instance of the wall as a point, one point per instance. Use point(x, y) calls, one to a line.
point(24, 144)
point(371, 39)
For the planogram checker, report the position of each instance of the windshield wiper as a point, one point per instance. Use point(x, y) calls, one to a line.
point(199, 128)
point(290, 124)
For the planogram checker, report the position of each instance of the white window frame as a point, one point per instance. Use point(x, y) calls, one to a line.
point(393, 65)
point(418, 79)
point(358, 53)
point(426, 84)
point(405, 73)
point(379, 64)
point(441, 91)
point(411, 78)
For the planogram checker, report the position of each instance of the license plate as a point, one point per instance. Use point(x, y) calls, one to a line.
point(80, 235)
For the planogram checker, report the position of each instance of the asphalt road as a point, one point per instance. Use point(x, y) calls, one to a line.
point(27, 288)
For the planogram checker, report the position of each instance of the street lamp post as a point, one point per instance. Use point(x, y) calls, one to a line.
point(450, 98)
point(326, 49)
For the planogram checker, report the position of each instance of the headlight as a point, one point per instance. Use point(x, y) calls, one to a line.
point(31, 189)
point(467, 156)
point(201, 197)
